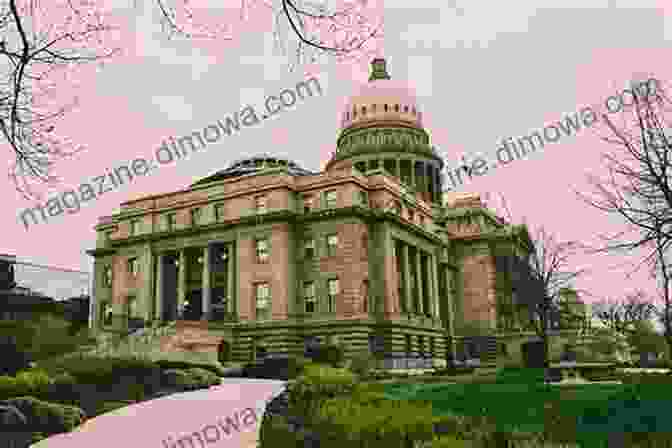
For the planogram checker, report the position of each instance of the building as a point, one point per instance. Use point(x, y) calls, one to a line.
point(28, 287)
point(266, 255)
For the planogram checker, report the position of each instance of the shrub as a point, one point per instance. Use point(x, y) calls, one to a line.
point(330, 354)
point(50, 418)
point(204, 378)
point(166, 364)
point(179, 379)
point(362, 364)
point(33, 383)
point(316, 384)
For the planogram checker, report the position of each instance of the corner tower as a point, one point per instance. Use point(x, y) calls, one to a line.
point(381, 127)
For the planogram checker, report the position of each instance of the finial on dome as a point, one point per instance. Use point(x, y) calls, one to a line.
point(378, 70)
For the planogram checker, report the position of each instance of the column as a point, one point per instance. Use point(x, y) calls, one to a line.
point(159, 286)
point(147, 288)
point(450, 309)
point(182, 281)
point(413, 179)
point(435, 286)
point(205, 288)
point(430, 285)
point(407, 277)
point(230, 281)
point(418, 279)
point(397, 168)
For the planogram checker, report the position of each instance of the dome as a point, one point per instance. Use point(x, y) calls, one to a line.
point(255, 165)
point(382, 101)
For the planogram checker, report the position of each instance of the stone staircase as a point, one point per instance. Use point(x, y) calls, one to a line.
point(144, 342)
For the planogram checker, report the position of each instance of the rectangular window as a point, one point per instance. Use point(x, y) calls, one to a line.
point(135, 227)
point(309, 297)
point(170, 221)
point(330, 198)
point(133, 266)
point(307, 203)
point(364, 198)
point(195, 216)
point(260, 204)
point(411, 215)
point(309, 248)
point(332, 244)
point(332, 287)
point(107, 276)
point(263, 305)
point(106, 313)
point(219, 212)
point(262, 250)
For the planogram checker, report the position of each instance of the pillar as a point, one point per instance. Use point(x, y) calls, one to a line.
point(145, 301)
point(230, 308)
point(159, 286)
point(413, 180)
point(435, 285)
point(397, 168)
point(407, 277)
point(418, 278)
point(205, 288)
point(450, 309)
point(182, 281)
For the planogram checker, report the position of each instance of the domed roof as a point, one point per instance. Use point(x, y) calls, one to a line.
point(255, 164)
point(382, 101)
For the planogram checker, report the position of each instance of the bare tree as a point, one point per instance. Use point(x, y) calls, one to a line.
point(40, 41)
point(638, 187)
point(303, 30)
point(43, 41)
point(620, 316)
point(549, 272)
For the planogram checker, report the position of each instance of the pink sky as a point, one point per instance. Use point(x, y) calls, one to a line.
point(487, 74)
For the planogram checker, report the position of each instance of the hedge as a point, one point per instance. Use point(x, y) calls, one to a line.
point(48, 418)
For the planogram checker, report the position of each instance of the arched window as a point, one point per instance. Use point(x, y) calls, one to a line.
point(405, 109)
point(363, 110)
point(386, 108)
point(396, 108)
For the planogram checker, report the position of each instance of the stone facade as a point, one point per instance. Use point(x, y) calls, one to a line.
point(267, 254)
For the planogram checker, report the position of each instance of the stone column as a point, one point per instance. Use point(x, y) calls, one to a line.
point(145, 301)
point(450, 309)
point(413, 179)
point(230, 308)
point(418, 277)
point(159, 286)
point(182, 281)
point(407, 277)
point(397, 168)
point(205, 288)
point(435, 286)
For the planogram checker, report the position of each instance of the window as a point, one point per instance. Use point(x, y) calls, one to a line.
point(195, 216)
point(309, 248)
point(309, 296)
point(107, 276)
point(363, 198)
point(263, 301)
point(262, 250)
point(133, 266)
point(170, 221)
point(332, 244)
point(307, 203)
point(411, 215)
point(135, 227)
point(219, 212)
point(260, 204)
point(107, 313)
point(386, 108)
point(330, 197)
point(405, 109)
point(396, 108)
point(332, 286)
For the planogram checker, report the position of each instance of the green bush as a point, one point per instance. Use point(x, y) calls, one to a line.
point(183, 365)
point(33, 383)
point(204, 378)
point(317, 383)
point(362, 364)
point(180, 379)
point(49, 418)
point(330, 354)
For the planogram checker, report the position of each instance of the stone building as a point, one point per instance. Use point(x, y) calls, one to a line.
point(266, 255)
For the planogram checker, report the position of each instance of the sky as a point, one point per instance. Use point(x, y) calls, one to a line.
point(483, 71)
